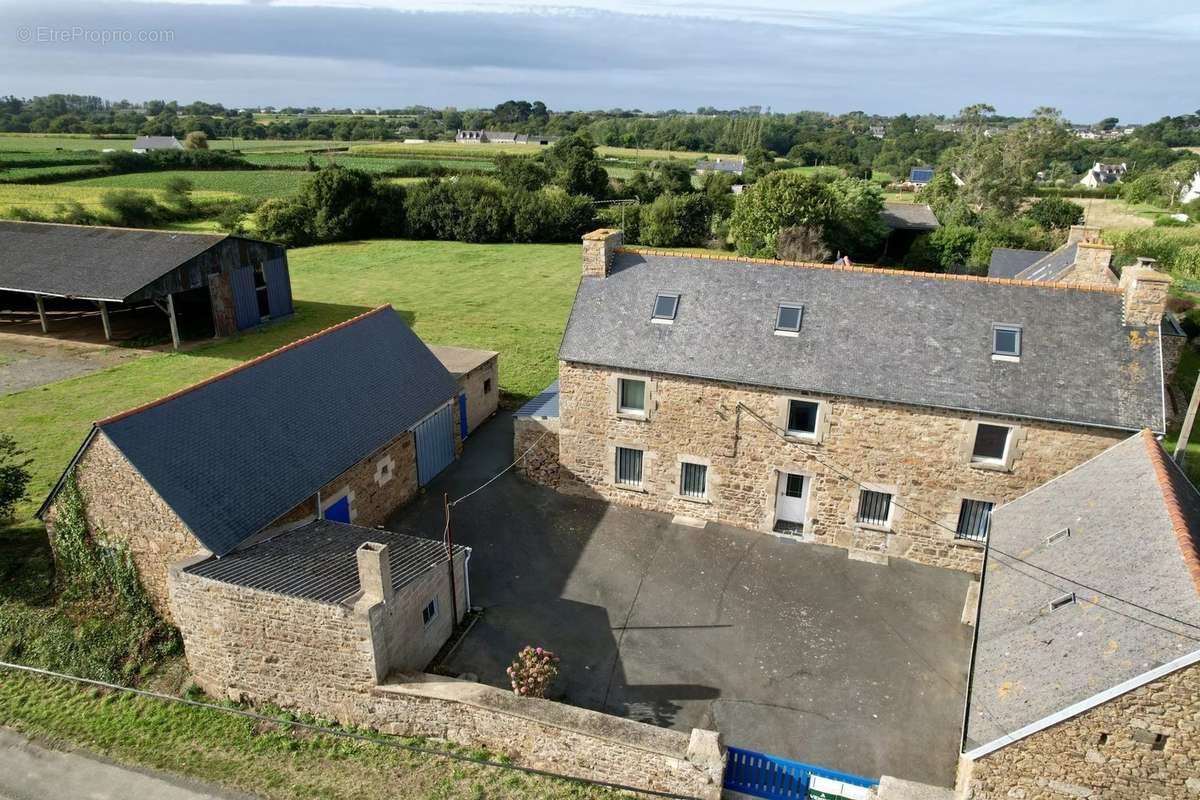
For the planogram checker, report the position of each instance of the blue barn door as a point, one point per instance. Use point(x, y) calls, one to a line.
point(279, 287)
point(339, 511)
point(462, 416)
point(435, 443)
point(245, 298)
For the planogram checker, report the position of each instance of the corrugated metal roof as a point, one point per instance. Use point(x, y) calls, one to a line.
point(545, 405)
point(232, 454)
point(317, 561)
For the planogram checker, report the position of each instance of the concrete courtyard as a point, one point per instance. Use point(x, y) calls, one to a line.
point(787, 648)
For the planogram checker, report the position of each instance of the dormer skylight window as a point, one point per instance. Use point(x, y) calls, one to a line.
point(665, 306)
point(788, 319)
point(1006, 342)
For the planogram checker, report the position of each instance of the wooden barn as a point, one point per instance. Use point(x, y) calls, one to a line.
point(201, 284)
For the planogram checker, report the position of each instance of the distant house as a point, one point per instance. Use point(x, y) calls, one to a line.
point(485, 137)
point(735, 166)
point(534, 138)
point(877, 131)
point(144, 144)
point(1103, 175)
point(1070, 684)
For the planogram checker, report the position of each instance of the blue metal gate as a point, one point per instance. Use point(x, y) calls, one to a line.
point(762, 775)
point(279, 287)
point(245, 298)
point(462, 416)
point(435, 443)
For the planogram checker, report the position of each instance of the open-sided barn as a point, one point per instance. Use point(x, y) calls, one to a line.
point(204, 284)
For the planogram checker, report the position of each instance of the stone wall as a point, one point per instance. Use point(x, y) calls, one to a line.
point(920, 455)
point(122, 507)
point(481, 404)
point(540, 465)
point(408, 643)
point(1110, 752)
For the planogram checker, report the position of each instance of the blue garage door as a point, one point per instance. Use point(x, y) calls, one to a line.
point(339, 511)
point(435, 443)
point(245, 298)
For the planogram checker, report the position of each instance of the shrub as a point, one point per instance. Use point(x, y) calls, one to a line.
point(625, 217)
point(550, 215)
point(196, 140)
point(14, 475)
point(676, 220)
point(533, 671)
point(334, 205)
point(131, 209)
point(1055, 212)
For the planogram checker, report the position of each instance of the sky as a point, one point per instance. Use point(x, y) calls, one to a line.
point(1091, 58)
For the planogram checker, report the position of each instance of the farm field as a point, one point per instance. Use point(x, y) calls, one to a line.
point(511, 298)
point(28, 142)
point(1111, 214)
point(256, 184)
point(43, 197)
point(367, 163)
point(491, 150)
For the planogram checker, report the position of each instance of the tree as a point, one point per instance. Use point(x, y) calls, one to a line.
point(14, 475)
point(673, 176)
point(522, 172)
point(196, 140)
point(575, 166)
point(1055, 213)
point(676, 220)
point(855, 227)
point(780, 200)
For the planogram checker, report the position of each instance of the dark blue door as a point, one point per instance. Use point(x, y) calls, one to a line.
point(245, 298)
point(462, 417)
point(339, 511)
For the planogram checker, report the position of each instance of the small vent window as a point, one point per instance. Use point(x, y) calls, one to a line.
point(1006, 340)
point(874, 508)
point(788, 318)
point(1065, 533)
point(665, 306)
point(693, 480)
point(974, 520)
point(629, 467)
point(429, 612)
point(1062, 602)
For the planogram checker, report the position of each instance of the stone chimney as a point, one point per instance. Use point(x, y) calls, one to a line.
point(1093, 264)
point(1082, 233)
point(599, 247)
point(1145, 291)
point(374, 573)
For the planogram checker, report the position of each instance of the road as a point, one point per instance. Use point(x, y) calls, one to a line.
point(29, 771)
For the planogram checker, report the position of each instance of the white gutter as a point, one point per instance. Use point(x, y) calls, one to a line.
point(1084, 705)
point(467, 578)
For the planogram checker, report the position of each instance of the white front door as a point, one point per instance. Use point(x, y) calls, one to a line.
point(791, 501)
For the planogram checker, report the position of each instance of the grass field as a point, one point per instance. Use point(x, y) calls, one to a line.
point(267, 760)
point(1111, 214)
point(510, 298)
point(31, 142)
point(43, 197)
point(368, 163)
point(256, 184)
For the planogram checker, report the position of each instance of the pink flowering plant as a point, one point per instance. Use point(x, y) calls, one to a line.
point(532, 671)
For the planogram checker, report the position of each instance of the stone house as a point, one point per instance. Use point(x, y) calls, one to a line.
point(478, 379)
point(1103, 175)
point(882, 411)
point(344, 425)
point(1085, 677)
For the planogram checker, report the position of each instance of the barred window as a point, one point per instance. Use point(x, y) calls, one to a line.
point(974, 520)
point(629, 466)
point(874, 508)
point(693, 480)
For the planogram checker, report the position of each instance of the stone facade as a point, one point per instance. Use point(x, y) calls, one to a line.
point(1145, 291)
point(540, 464)
point(1092, 260)
point(599, 249)
point(482, 388)
point(922, 456)
point(1144, 744)
point(123, 507)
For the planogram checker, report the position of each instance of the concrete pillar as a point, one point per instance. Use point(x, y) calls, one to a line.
point(1145, 291)
point(374, 572)
point(104, 319)
point(599, 249)
point(174, 324)
point(41, 307)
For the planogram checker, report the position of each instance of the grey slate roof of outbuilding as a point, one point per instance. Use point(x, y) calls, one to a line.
point(91, 262)
point(1008, 262)
point(317, 561)
point(157, 143)
point(1134, 522)
point(1052, 266)
point(232, 454)
point(909, 217)
point(904, 337)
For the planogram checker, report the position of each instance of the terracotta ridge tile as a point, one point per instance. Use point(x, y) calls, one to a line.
point(1189, 547)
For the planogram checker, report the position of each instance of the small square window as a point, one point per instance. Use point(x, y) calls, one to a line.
point(693, 480)
point(874, 508)
point(788, 318)
point(1006, 340)
point(487, 385)
point(974, 520)
point(629, 466)
point(665, 306)
point(802, 417)
point(991, 443)
point(429, 612)
point(631, 396)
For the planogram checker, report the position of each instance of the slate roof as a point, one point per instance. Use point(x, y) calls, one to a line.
point(91, 262)
point(317, 561)
point(906, 337)
point(233, 453)
point(1051, 266)
point(461, 360)
point(1008, 262)
point(1134, 522)
point(735, 165)
point(543, 406)
point(909, 217)
point(156, 143)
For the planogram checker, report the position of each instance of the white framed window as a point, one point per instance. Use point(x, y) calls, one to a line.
point(693, 480)
point(666, 304)
point(631, 396)
point(429, 612)
point(788, 319)
point(974, 520)
point(629, 467)
point(1006, 341)
point(803, 416)
point(874, 508)
point(992, 444)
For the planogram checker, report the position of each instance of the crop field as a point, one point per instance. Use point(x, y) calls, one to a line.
point(42, 198)
point(29, 142)
point(256, 184)
point(367, 163)
point(50, 173)
point(491, 150)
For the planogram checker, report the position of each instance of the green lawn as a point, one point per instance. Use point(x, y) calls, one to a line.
point(510, 298)
point(265, 759)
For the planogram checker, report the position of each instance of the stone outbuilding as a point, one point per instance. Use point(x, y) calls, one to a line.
point(477, 373)
point(344, 425)
point(1085, 677)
